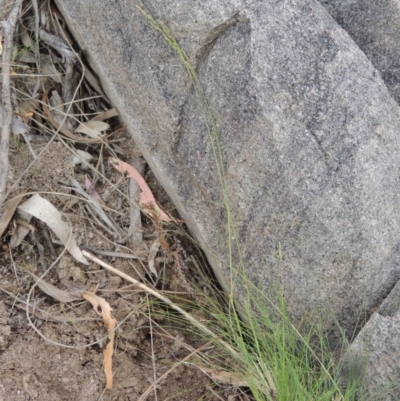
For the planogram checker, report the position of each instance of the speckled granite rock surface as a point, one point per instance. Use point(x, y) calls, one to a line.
point(308, 130)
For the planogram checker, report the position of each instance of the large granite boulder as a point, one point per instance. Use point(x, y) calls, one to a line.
point(375, 27)
point(308, 132)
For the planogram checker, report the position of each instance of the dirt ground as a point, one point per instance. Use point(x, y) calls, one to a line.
point(57, 354)
point(41, 368)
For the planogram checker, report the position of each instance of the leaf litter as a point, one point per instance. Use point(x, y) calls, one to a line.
point(64, 129)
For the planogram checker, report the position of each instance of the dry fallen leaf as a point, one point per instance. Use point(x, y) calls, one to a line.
point(8, 211)
point(57, 108)
point(103, 309)
point(146, 200)
point(19, 234)
point(48, 69)
point(43, 210)
point(25, 38)
point(54, 292)
point(92, 128)
point(152, 254)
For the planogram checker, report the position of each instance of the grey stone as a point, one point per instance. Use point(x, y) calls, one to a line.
point(308, 132)
point(375, 27)
point(375, 353)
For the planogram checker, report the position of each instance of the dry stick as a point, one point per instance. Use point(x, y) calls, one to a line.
point(37, 51)
point(153, 359)
point(135, 225)
point(144, 287)
point(8, 28)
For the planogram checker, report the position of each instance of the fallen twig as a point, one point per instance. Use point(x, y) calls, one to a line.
point(135, 231)
point(8, 29)
point(110, 253)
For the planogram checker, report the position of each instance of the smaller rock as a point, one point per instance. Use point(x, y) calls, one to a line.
point(375, 353)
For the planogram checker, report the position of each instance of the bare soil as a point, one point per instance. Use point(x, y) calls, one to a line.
point(41, 368)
